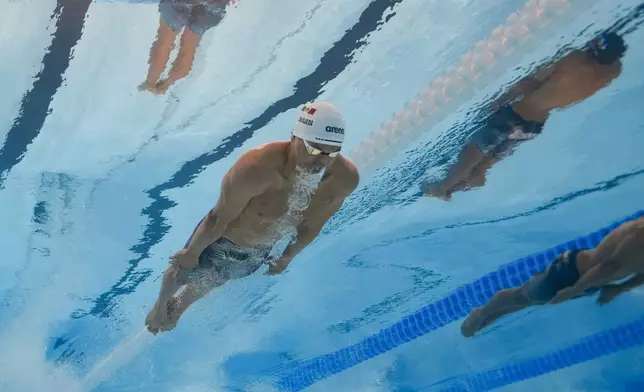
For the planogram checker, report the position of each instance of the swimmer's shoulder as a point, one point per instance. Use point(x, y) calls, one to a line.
point(346, 174)
point(268, 156)
point(263, 161)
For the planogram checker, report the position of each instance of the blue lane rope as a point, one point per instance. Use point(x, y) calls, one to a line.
point(591, 347)
point(438, 314)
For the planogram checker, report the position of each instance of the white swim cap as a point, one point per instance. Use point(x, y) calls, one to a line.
point(320, 122)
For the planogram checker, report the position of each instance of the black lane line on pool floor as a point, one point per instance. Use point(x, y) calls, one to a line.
point(34, 107)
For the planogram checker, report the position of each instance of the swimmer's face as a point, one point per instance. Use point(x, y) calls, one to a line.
point(312, 156)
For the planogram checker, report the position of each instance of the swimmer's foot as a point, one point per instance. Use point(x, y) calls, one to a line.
point(475, 322)
point(146, 86)
point(162, 86)
point(157, 318)
point(175, 311)
point(149, 87)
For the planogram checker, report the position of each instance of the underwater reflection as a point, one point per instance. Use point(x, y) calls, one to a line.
point(194, 18)
point(521, 113)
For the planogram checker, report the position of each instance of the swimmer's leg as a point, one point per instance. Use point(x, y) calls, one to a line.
point(504, 302)
point(478, 175)
point(183, 63)
point(173, 279)
point(191, 294)
point(159, 55)
point(457, 173)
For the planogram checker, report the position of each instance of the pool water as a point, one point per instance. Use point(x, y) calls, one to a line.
point(100, 183)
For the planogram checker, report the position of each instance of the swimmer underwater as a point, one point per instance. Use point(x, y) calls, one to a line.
point(614, 267)
point(236, 236)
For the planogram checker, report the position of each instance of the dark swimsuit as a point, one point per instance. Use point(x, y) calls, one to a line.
point(561, 273)
point(197, 15)
point(224, 260)
point(503, 131)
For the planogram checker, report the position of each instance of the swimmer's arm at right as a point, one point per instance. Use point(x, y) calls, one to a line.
point(597, 276)
point(594, 277)
point(611, 254)
point(247, 179)
point(620, 250)
point(630, 284)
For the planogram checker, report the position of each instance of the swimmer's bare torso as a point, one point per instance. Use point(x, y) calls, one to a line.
point(258, 224)
point(570, 80)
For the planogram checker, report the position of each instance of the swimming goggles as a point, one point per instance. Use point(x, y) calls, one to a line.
point(316, 151)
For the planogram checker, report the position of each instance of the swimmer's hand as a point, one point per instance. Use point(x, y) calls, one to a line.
point(608, 293)
point(184, 259)
point(276, 266)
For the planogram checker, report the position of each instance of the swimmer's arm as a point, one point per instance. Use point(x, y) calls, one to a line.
point(245, 180)
point(605, 271)
point(630, 284)
point(307, 231)
point(596, 276)
point(621, 246)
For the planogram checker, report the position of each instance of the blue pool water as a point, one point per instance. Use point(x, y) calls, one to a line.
point(100, 183)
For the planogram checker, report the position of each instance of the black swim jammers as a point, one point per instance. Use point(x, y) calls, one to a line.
point(561, 273)
point(197, 15)
point(503, 131)
point(224, 260)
